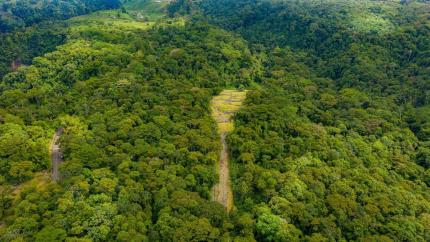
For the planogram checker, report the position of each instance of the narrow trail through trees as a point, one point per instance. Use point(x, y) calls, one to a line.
point(56, 155)
point(223, 107)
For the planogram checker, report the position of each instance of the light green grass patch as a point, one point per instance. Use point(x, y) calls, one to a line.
point(370, 22)
point(224, 106)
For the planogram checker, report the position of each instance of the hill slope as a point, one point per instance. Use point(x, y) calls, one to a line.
point(331, 143)
point(139, 143)
point(325, 148)
point(32, 28)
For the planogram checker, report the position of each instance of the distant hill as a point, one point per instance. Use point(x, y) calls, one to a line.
point(20, 13)
point(31, 28)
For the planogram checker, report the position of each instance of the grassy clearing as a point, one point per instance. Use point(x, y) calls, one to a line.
point(224, 106)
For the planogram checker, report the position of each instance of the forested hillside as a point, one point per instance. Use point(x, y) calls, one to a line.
point(335, 144)
point(19, 13)
point(31, 28)
point(139, 143)
point(332, 142)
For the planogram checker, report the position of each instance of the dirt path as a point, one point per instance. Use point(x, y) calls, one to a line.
point(222, 192)
point(223, 107)
point(56, 155)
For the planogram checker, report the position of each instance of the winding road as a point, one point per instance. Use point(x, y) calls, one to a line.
point(56, 155)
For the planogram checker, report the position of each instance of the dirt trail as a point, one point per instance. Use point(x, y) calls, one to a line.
point(222, 192)
point(223, 107)
point(56, 155)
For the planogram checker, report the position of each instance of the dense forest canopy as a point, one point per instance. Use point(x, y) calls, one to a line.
point(30, 28)
point(351, 74)
point(379, 47)
point(331, 144)
point(19, 13)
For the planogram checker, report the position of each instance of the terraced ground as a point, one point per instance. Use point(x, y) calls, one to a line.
point(223, 107)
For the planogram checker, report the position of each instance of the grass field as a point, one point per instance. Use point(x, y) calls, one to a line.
point(224, 106)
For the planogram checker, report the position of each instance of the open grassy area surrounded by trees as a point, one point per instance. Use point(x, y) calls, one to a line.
point(224, 106)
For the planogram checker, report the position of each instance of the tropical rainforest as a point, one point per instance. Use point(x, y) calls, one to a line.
point(31, 28)
point(332, 142)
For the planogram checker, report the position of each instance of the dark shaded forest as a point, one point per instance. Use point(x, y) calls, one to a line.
point(31, 28)
point(332, 142)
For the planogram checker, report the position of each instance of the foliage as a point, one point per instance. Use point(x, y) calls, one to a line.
point(339, 124)
point(331, 143)
point(139, 143)
point(31, 28)
point(27, 12)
